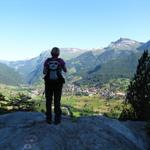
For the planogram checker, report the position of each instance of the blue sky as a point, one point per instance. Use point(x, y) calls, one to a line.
point(28, 27)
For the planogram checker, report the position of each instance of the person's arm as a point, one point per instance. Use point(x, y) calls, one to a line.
point(63, 64)
point(64, 68)
point(45, 68)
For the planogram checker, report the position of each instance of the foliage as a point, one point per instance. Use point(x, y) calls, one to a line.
point(22, 102)
point(3, 104)
point(138, 94)
point(3, 100)
point(2, 97)
point(127, 113)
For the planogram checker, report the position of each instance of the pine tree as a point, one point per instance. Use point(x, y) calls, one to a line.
point(138, 93)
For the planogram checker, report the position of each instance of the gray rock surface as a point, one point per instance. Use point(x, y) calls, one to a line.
point(28, 130)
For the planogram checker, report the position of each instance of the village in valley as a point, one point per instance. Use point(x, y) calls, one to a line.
point(72, 89)
point(75, 90)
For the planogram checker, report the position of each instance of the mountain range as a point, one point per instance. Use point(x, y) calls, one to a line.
point(118, 59)
point(88, 66)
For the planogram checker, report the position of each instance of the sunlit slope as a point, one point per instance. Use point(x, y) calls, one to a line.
point(9, 75)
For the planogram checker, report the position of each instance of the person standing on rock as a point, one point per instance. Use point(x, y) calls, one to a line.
point(54, 81)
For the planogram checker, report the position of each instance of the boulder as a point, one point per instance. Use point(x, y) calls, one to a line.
point(29, 130)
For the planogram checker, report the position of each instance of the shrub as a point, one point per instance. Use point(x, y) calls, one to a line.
point(127, 113)
point(22, 102)
point(2, 99)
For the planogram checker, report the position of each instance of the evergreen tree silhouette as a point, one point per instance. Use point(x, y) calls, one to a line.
point(138, 93)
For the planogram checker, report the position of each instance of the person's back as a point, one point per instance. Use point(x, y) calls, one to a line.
point(54, 81)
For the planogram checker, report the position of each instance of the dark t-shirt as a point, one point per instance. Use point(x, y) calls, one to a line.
point(46, 65)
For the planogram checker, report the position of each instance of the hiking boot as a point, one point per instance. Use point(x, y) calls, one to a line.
point(57, 121)
point(48, 121)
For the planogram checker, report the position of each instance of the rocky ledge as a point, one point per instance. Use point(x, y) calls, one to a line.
point(28, 130)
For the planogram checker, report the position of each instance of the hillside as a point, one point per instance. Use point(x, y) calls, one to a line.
point(9, 75)
point(123, 67)
point(82, 63)
point(30, 131)
point(145, 46)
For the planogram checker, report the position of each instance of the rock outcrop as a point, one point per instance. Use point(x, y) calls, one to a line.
point(28, 130)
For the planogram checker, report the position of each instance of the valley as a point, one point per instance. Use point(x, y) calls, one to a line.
point(96, 78)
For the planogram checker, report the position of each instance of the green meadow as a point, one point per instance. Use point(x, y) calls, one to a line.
point(13, 98)
point(77, 106)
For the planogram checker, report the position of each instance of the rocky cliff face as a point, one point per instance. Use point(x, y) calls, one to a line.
point(125, 44)
point(28, 130)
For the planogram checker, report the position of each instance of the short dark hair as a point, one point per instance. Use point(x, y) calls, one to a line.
point(55, 51)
